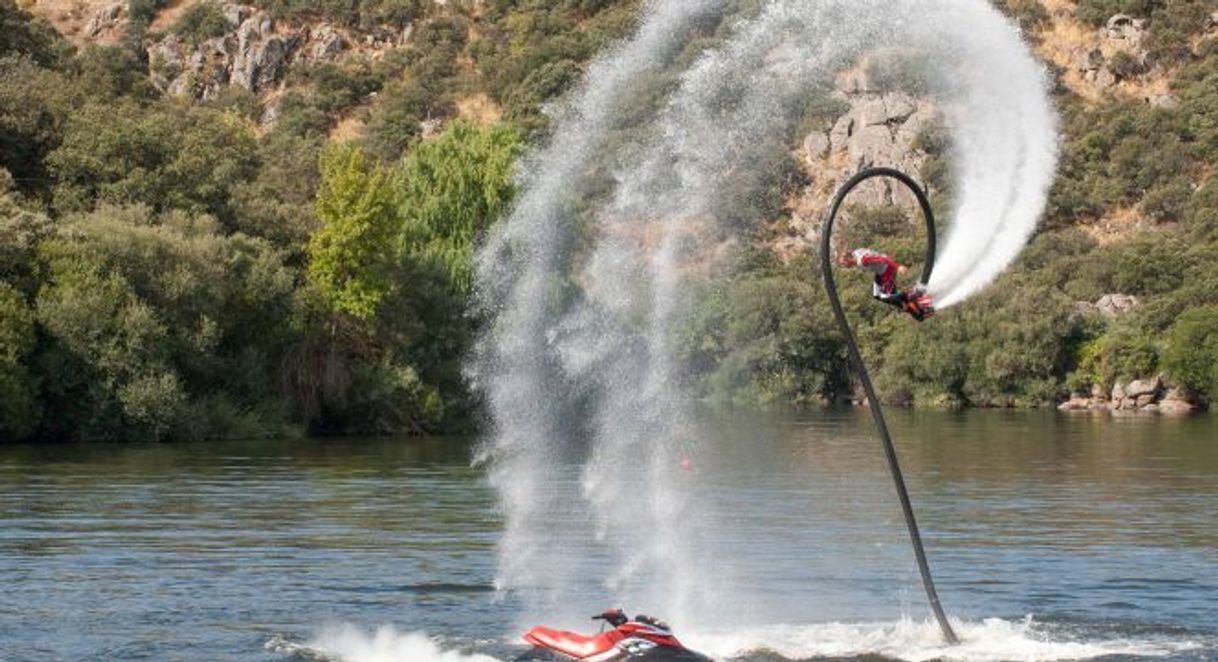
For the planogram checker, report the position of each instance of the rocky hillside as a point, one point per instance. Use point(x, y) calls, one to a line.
point(253, 53)
point(232, 219)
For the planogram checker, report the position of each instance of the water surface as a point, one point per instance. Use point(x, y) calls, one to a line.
point(1103, 530)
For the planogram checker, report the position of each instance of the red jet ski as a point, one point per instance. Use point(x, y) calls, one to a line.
point(641, 639)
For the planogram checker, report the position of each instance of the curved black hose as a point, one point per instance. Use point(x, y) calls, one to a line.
point(894, 466)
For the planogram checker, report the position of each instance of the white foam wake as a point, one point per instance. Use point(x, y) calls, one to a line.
point(348, 643)
point(991, 640)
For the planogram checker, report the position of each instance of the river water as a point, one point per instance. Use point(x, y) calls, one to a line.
point(1052, 537)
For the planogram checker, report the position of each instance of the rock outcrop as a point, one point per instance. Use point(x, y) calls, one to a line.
point(1119, 53)
point(1110, 306)
point(105, 21)
point(881, 126)
point(99, 22)
point(254, 54)
point(1140, 395)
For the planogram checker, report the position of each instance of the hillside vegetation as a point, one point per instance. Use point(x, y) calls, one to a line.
point(294, 257)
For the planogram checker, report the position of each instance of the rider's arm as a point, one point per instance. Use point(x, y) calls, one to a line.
point(879, 258)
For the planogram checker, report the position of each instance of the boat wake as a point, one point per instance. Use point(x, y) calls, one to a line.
point(989, 640)
point(907, 640)
point(348, 643)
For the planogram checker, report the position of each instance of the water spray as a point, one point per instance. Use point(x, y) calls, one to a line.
point(583, 285)
point(877, 412)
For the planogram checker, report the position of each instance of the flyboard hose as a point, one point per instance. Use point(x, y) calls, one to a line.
point(877, 413)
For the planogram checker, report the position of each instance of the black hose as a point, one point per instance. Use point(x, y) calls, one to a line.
point(894, 466)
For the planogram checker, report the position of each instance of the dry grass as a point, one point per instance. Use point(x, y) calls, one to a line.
point(1116, 225)
point(479, 109)
point(168, 15)
point(1062, 42)
point(348, 128)
point(69, 18)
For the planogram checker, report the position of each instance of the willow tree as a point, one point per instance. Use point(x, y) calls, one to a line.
point(452, 188)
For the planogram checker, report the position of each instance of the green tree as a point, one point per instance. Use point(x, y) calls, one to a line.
point(122, 153)
point(22, 34)
point(35, 103)
point(352, 254)
point(452, 188)
point(161, 326)
point(17, 404)
point(1192, 350)
point(112, 380)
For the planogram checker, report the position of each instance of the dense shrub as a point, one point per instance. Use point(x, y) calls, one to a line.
point(764, 339)
point(35, 103)
point(1201, 215)
point(338, 87)
point(23, 35)
point(423, 88)
point(173, 272)
point(1097, 12)
point(1191, 356)
point(1030, 14)
point(199, 22)
point(351, 13)
point(148, 317)
point(1121, 354)
point(122, 153)
point(18, 407)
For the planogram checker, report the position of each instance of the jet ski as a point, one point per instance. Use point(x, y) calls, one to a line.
point(638, 639)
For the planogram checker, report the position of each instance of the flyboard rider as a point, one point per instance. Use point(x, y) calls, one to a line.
point(913, 300)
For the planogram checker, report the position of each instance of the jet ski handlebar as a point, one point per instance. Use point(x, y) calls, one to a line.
point(614, 617)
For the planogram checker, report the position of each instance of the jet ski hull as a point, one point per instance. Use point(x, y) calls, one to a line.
point(657, 654)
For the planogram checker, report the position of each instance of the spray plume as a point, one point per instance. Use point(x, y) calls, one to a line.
point(582, 283)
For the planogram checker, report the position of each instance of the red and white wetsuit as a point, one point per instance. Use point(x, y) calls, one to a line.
point(884, 268)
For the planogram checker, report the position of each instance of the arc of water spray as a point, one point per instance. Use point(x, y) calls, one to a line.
point(877, 412)
point(583, 300)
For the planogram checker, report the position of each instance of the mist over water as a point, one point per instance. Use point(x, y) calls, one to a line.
point(585, 281)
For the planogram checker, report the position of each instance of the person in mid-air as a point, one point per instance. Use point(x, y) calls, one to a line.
point(914, 300)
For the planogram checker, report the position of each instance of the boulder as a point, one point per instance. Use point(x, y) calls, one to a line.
point(816, 145)
point(1178, 400)
point(1114, 305)
point(1122, 37)
point(252, 66)
point(1075, 403)
point(105, 19)
point(1151, 408)
point(235, 15)
point(879, 128)
point(1144, 400)
point(1097, 393)
point(325, 43)
point(1144, 387)
point(1176, 407)
point(1124, 26)
point(1163, 101)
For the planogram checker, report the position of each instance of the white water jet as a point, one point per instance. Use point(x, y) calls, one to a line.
point(583, 282)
